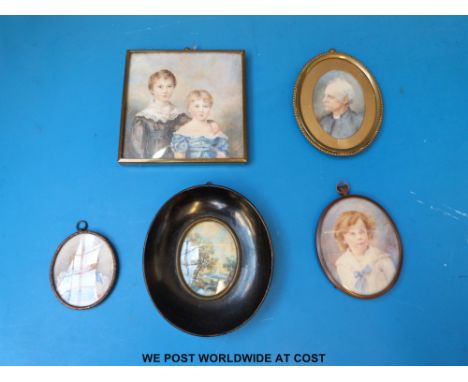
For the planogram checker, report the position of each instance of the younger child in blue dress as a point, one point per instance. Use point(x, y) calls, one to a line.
point(200, 137)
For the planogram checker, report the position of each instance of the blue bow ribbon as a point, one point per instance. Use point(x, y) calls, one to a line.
point(361, 282)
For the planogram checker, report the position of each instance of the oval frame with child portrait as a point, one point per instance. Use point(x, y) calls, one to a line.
point(359, 246)
point(337, 104)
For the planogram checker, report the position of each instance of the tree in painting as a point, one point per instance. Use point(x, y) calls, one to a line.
point(230, 267)
point(206, 261)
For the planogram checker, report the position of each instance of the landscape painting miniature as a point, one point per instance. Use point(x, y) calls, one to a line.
point(209, 258)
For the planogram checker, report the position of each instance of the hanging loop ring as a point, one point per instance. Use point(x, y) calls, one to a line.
point(82, 225)
point(343, 188)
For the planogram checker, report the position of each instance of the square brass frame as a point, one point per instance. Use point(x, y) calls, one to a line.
point(126, 160)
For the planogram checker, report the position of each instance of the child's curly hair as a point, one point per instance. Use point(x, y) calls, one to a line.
point(348, 219)
point(164, 73)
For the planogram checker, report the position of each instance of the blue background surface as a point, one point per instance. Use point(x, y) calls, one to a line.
point(60, 100)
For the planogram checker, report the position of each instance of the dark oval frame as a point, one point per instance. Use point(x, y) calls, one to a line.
point(114, 262)
point(322, 260)
point(184, 309)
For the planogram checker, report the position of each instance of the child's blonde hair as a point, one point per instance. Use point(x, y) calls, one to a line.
point(196, 95)
point(348, 219)
point(165, 74)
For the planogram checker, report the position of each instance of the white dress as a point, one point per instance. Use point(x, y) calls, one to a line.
point(82, 284)
point(365, 274)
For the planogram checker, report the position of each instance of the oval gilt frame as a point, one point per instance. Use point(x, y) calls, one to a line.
point(305, 114)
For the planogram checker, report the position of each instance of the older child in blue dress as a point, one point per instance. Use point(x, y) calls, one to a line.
point(201, 137)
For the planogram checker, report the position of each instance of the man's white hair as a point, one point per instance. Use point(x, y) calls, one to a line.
point(342, 89)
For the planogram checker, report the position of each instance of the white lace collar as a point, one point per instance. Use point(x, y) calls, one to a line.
point(159, 112)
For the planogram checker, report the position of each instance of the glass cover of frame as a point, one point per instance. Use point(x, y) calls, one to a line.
point(183, 106)
point(209, 258)
point(359, 247)
point(338, 104)
point(83, 270)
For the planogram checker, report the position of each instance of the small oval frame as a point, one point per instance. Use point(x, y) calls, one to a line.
point(114, 262)
point(323, 262)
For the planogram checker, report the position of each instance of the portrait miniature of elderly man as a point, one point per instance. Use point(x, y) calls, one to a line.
point(341, 121)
